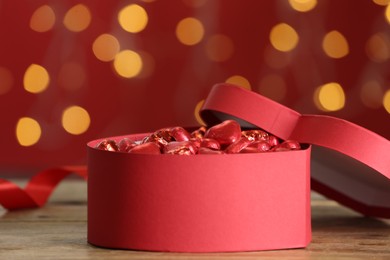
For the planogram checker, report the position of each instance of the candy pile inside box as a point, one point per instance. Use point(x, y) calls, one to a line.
point(224, 138)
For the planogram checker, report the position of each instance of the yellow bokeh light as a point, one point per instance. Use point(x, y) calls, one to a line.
point(105, 47)
point(239, 81)
point(71, 76)
point(128, 64)
point(302, 5)
point(190, 31)
point(386, 101)
point(283, 37)
point(77, 18)
point(330, 97)
point(387, 13)
point(75, 120)
point(197, 113)
point(36, 79)
point(273, 86)
point(133, 18)
point(28, 131)
point(381, 2)
point(335, 45)
point(219, 48)
point(6, 80)
point(43, 19)
point(378, 47)
point(371, 94)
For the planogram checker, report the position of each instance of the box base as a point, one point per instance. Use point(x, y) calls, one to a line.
point(200, 203)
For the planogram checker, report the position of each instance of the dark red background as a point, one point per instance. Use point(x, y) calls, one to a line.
point(182, 75)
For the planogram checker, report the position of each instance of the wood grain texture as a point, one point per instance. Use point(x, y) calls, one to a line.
point(59, 231)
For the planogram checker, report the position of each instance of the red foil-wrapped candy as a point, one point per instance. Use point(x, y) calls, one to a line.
point(180, 134)
point(146, 148)
point(261, 146)
point(210, 143)
point(250, 149)
point(287, 146)
point(199, 133)
point(273, 140)
point(161, 137)
point(205, 150)
point(125, 145)
point(183, 148)
point(196, 142)
point(108, 145)
point(256, 135)
point(225, 133)
point(239, 145)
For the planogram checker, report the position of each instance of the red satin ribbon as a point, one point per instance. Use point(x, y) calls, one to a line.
point(38, 189)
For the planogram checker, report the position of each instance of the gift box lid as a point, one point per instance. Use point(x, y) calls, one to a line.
point(350, 164)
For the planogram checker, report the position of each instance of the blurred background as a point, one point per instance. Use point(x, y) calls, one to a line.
point(74, 71)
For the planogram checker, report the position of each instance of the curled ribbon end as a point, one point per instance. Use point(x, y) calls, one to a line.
point(38, 189)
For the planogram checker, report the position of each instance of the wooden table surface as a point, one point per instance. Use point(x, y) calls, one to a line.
point(59, 231)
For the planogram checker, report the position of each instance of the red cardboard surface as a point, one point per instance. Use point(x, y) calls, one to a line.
point(199, 203)
point(350, 163)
